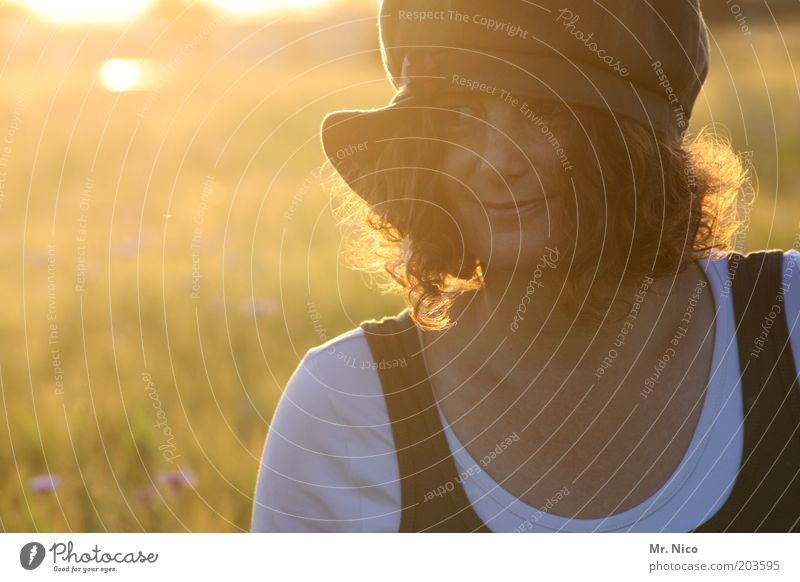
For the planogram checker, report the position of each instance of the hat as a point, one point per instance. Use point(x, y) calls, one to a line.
point(644, 60)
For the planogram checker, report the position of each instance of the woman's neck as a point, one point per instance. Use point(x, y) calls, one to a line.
point(531, 306)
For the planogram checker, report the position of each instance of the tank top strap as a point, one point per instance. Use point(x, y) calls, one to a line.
point(433, 499)
point(765, 495)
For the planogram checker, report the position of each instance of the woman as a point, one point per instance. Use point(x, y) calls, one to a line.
point(571, 354)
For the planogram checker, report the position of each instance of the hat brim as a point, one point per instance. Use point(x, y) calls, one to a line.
point(355, 139)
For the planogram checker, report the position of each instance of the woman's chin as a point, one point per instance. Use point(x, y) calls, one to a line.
point(512, 257)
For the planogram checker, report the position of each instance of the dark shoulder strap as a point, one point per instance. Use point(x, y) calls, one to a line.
point(433, 499)
point(766, 494)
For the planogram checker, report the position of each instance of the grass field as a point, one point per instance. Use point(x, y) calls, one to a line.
point(160, 248)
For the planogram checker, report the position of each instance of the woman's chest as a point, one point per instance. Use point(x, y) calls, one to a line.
point(611, 428)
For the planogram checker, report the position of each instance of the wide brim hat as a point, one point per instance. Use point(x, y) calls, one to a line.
point(643, 61)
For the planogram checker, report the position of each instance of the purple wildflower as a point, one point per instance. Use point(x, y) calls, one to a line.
point(44, 483)
point(266, 307)
point(146, 494)
point(128, 248)
point(38, 258)
point(178, 478)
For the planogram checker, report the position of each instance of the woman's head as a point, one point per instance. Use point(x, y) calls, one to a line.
point(605, 185)
point(614, 198)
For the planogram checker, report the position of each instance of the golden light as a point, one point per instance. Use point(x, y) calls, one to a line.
point(250, 8)
point(85, 11)
point(120, 75)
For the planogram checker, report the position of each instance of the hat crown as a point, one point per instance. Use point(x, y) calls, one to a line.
point(630, 36)
point(643, 60)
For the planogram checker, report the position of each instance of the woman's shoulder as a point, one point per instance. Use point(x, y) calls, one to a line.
point(792, 255)
point(724, 261)
point(328, 437)
point(345, 362)
point(721, 265)
point(333, 385)
point(716, 254)
point(348, 340)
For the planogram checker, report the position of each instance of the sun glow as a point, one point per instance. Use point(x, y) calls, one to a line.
point(87, 11)
point(118, 75)
point(249, 8)
point(78, 12)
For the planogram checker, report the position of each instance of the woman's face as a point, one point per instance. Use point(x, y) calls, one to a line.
point(498, 154)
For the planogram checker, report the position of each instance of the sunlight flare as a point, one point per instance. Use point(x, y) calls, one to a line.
point(248, 8)
point(86, 11)
point(118, 75)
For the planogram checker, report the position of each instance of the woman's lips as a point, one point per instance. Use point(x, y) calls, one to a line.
point(512, 209)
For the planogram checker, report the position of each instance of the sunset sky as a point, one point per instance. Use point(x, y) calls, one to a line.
point(122, 11)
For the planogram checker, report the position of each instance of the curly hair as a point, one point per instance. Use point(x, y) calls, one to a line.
point(665, 201)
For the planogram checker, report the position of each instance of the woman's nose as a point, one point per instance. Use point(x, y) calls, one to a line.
point(503, 154)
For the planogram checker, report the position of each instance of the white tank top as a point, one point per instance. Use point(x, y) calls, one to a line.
point(329, 462)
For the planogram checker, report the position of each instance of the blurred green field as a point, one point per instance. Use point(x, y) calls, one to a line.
point(214, 173)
